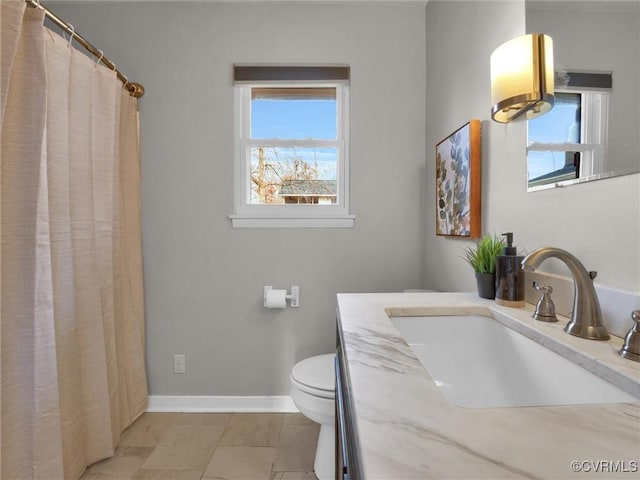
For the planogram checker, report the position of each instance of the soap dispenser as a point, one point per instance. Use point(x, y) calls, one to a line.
point(509, 276)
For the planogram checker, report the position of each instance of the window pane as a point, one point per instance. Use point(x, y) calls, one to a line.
point(294, 113)
point(561, 124)
point(293, 176)
point(550, 167)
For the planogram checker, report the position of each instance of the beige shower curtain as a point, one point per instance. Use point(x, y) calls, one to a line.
point(72, 325)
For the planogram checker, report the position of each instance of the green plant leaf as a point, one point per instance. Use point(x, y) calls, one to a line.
point(482, 258)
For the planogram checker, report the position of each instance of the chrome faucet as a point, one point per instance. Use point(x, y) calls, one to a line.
point(586, 319)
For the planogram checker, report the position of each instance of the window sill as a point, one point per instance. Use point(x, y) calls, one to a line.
point(245, 221)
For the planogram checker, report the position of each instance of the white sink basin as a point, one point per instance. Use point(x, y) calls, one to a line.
point(479, 363)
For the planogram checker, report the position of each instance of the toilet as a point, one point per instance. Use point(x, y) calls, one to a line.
point(313, 390)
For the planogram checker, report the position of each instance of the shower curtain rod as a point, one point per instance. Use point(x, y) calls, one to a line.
point(135, 89)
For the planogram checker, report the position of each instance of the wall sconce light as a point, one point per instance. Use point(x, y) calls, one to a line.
point(522, 78)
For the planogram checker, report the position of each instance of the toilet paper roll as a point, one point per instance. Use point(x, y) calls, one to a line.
point(276, 299)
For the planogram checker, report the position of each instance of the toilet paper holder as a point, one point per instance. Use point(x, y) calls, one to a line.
point(293, 297)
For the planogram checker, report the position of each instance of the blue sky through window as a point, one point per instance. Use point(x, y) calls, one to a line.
point(293, 119)
point(561, 124)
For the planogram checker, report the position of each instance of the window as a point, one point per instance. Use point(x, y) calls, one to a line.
point(570, 141)
point(291, 147)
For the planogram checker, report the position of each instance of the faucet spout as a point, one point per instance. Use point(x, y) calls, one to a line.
point(586, 319)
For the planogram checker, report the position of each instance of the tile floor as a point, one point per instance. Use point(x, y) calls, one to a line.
point(207, 446)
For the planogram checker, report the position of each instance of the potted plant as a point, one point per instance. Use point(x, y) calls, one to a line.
point(482, 259)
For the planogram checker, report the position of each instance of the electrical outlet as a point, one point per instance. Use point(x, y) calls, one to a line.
point(179, 363)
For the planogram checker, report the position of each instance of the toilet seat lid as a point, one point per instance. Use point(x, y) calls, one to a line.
point(316, 372)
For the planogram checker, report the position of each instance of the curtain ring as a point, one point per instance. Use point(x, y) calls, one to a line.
point(100, 57)
point(73, 32)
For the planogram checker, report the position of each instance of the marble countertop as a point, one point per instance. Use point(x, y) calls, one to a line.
point(407, 429)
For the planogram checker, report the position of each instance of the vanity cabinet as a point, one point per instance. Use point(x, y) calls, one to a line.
point(396, 423)
point(347, 459)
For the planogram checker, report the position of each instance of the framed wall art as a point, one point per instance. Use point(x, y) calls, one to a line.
point(458, 184)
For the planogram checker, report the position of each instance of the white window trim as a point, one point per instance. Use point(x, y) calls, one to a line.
point(247, 215)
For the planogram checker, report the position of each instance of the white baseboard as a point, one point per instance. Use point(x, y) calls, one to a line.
point(220, 404)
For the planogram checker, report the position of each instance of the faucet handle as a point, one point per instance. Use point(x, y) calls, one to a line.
point(631, 347)
point(545, 309)
point(542, 288)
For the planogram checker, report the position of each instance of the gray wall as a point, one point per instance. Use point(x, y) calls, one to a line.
point(597, 221)
point(204, 279)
